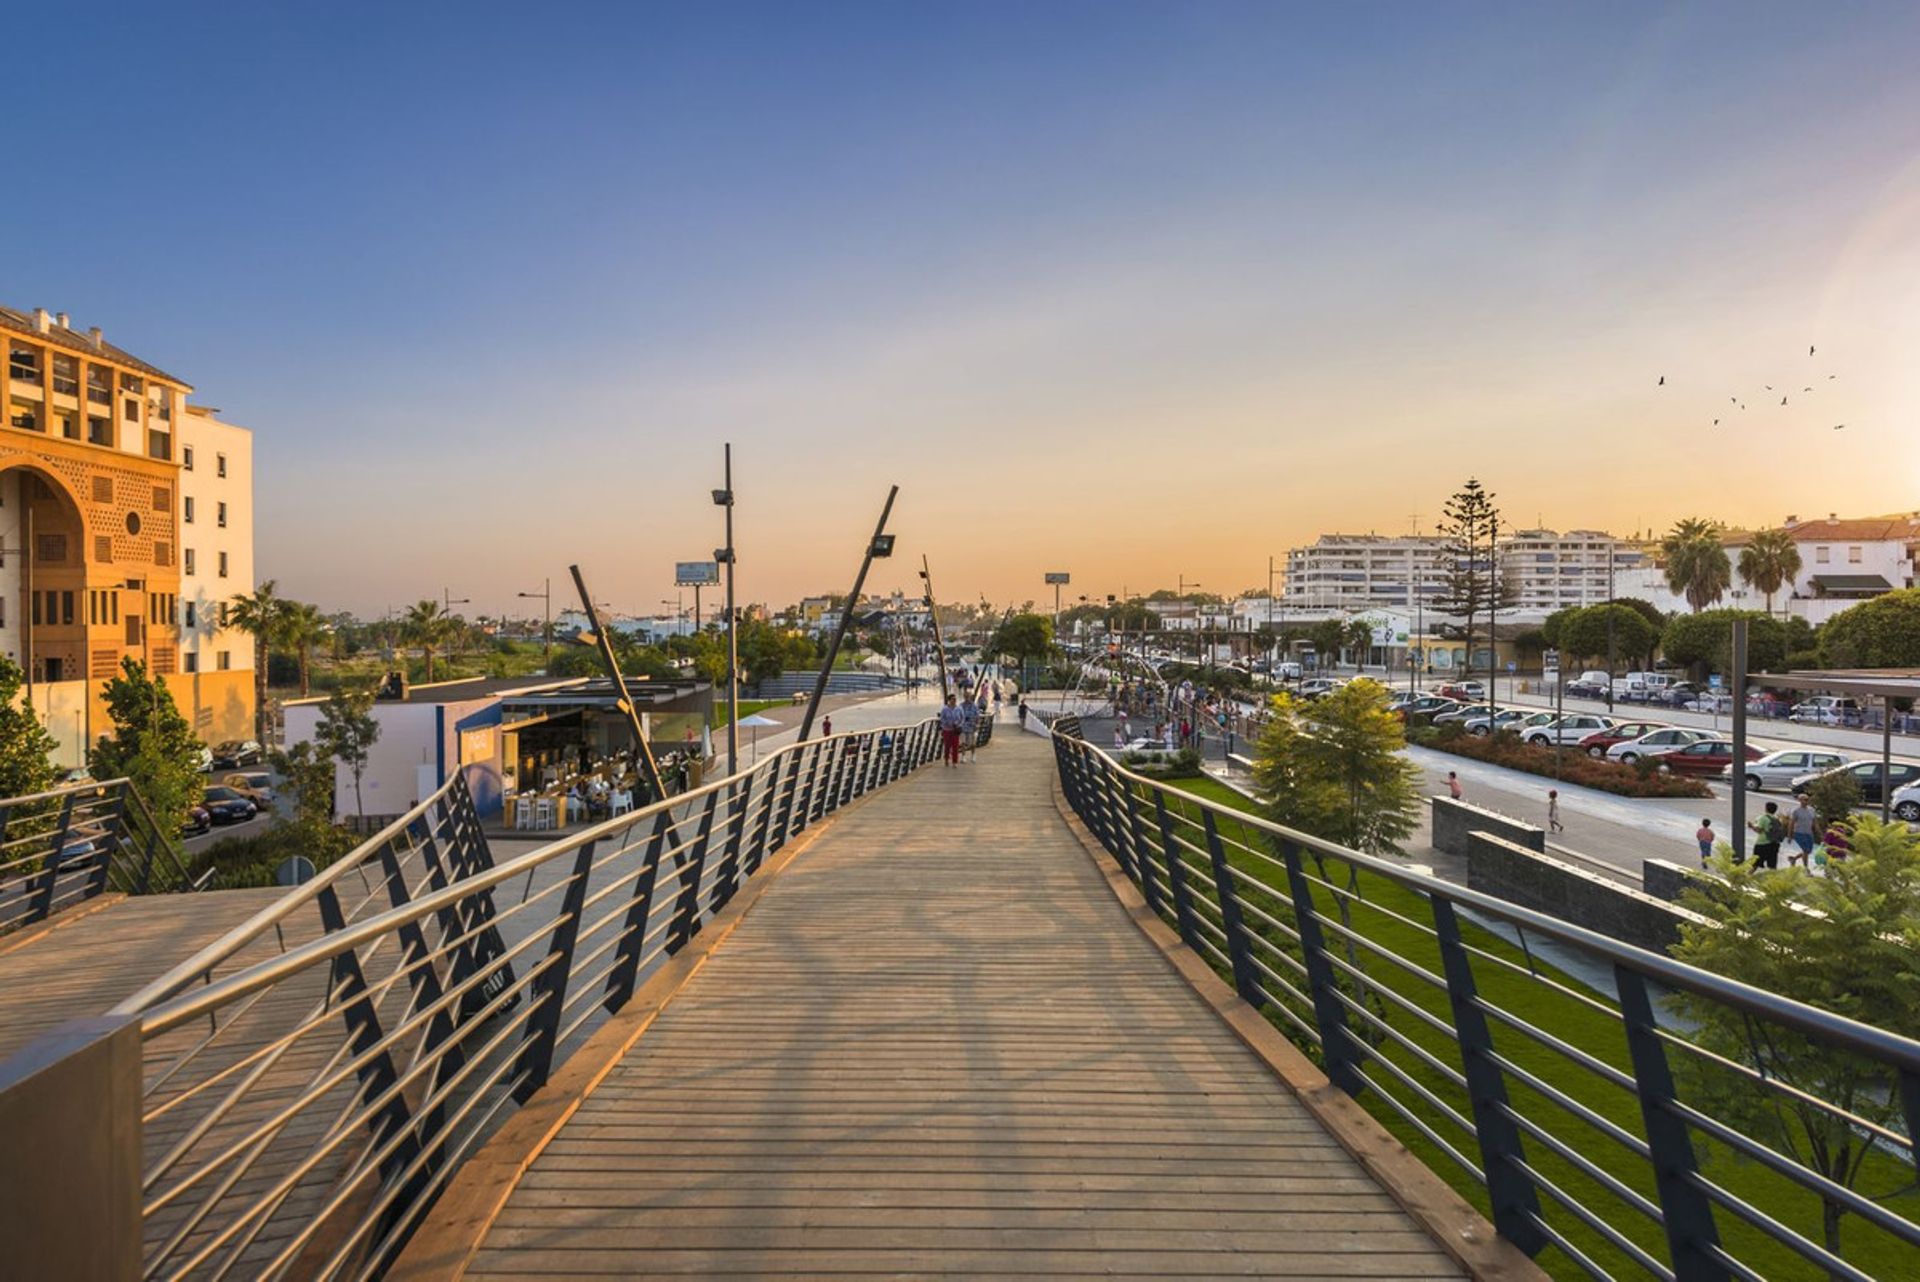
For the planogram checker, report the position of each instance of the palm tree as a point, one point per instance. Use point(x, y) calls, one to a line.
point(303, 628)
point(262, 614)
point(427, 625)
point(1770, 562)
point(1697, 566)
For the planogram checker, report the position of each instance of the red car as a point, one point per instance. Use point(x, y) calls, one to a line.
point(1597, 743)
point(1708, 757)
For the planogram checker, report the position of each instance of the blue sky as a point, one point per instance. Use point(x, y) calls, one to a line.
point(1130, 290)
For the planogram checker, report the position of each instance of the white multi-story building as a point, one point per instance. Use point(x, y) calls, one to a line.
point(1548, 571)
point(1843, 561)
point(216, 540)
point(1361, 571)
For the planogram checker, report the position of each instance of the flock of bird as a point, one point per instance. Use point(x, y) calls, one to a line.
point(1738, 403)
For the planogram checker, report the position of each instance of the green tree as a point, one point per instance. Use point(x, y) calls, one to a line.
point(1769, 562)
point(1328, 636)
point(1550, 627)
point(262, 615)
point(1853, 954)
point(302, 628)
point(427, 625)
point(347, 732)
point(1292, 794)
point(1359, 637)
point(1704, 641)
point(1696, 564)
point(1472, 584)
point(26, 749)
point(1334, 768)
point(1881, 633)
point(151, 743)
point(1023, 637)
point(1584, 633)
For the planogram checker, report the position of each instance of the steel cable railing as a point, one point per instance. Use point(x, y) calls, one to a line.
point(314, 1077)
point(64, 846)
point(1579, 1105)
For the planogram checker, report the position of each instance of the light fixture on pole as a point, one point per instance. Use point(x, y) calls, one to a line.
point(545, 597)
point(933, 617)
point(724, 498)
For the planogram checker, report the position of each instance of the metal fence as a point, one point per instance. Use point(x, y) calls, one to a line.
point(313, 1079)
point(61, 847)
point(1613, 1111)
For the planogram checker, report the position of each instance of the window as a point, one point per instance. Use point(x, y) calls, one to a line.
point(192, 615)
point(21, 415)
point(220, 515)
point(3, 612)
point(103, 489)
point(190, 662)
point(128, 383)
point(50, 549)
point(1821, 555)
point(223, 565)
point(1853, 556)
point(162, 498)
point(99, 430)
point(133, 523)
point(99, 386)
point(219, 465)
point(163, 409)
point(223, 660)
point(66, 375)
point(186, 509)
point(186, 457)
point(159, 444)
point(132, 410)
point(186, 560)
point(23, 362)
point(103, 548)
point(69, 426)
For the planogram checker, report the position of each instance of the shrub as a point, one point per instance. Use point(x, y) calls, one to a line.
point(1834, 796)
point(1576, 767)
point(252, 860)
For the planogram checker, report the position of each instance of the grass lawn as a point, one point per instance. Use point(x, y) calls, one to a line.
point(747, 708)
point(1396, 919)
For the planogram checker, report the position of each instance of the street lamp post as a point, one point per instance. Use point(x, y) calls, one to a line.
point(724, 498)
point(933, 617)
point(545, 597)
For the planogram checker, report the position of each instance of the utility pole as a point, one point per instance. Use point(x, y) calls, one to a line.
point(649, 767)
point(1610, 659)
point(545, 596)
point(881, 545)
point(724, 497)
point(933, 613)
point(1493, 616)
point(1736, 772)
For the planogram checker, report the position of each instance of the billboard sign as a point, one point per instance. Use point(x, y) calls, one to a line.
point(1059, 578)
point(690, 574)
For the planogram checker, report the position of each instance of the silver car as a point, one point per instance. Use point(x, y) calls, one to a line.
point(1780, 769)
point(1657, 741)
point(1514, 719)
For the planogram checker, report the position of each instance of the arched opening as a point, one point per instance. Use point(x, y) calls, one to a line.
point(43, 575)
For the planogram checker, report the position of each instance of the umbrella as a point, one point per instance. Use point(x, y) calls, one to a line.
point(754, 723)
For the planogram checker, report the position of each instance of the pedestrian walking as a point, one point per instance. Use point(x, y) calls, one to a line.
point(1553, 811)
point(1769, 830)
point(1805, 823)
point(950, 723)
point(1705, 837)
point(1453, 785)
point(1023, 712)
point(826, 726)
point(969, 726)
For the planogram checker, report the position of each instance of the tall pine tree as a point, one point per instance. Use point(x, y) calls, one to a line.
point(1472, 584)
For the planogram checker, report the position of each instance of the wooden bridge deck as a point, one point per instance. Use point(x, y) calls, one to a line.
point(937, 1045)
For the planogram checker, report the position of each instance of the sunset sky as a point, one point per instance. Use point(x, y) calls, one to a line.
point(1128, 290)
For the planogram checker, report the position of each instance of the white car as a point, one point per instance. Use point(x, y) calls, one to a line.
point(1780, 769)
point(1569, 730)
point(1654, 742)
point(1906, 802)
point(1517, 720)
point(1467, 713)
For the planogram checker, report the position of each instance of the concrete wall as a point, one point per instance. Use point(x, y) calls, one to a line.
point(1523, 876)
point(1454, 820)
point(408, 752)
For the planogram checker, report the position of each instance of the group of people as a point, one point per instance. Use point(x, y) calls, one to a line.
point(1771, 830)
point(960, 725)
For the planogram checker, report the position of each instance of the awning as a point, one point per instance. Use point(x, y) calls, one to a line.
point(1837, 583)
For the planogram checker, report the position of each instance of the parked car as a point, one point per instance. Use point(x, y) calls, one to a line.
point(1287, 671)
point(227, 806)
point(196, 822)
point(1463, 712)
point(1680, 693)
point(1591, 684)
point(1597, 743)
point(1780, 769)
point(1906, 802)
point(203, 759)
point(1827, 710)
point(1427, 705)
point(1517, 720)
point(1464, 691)
point(1706, 757)
point(1711, 702)
point(235, 753)
point(1569, 729)
point(1868, 775)
point(1640, 687)
point(1314, 687)
point(255, 785)
point(1658, 741)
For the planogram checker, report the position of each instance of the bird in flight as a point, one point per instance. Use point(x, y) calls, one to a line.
point(1662, 382)
point(1716, 422)
point(1838, 426)
point(1769, 387)
point(1809, 349)
point(1806, 389)
point(1783, 400)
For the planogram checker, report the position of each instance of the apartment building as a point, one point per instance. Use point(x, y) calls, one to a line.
point(91, 524)
point(1548, 571)
point(1843, 561)
point(1360, 571)
point(216, 548)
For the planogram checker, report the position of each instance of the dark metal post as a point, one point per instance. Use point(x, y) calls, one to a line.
point(1886, 756)
point(605, 643)
point(1737, 768)
point(733, 637)
point(874, 544)
point(376, 1074)
point(633, 932)
point(1176, 872)
point(548, 990)
point(1142, 859)
point(686, 913)
point(1337, 1052)
point(933, 615)
point(727, 880)
point(1515, 1200)
point(1692, 1236)
point(1238, 953)
point(43, 893)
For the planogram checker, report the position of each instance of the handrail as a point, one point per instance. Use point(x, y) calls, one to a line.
point(1315, 934)
point(302, 1111)
point(66, 845)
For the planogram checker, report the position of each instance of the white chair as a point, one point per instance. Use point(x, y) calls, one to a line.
point(523, 813)
point(543, 813)
point(620, 803)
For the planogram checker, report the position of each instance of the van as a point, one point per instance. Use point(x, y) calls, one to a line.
point(1638, 687)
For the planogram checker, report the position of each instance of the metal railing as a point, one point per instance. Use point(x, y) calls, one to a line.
point(314, 1078)
point(61, 847)
point(1614, 1111)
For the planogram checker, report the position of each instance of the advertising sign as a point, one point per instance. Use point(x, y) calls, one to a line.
point(687, 574)
point(1060, 577)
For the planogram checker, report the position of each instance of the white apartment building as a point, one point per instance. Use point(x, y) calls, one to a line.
point(1549, 571)
point(216, 539)
point(1362, 571)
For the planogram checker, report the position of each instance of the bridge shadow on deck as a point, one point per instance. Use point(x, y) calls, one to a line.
point(937, 1045)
